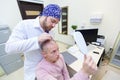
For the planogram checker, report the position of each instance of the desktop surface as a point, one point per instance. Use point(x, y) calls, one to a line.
point(96, 53)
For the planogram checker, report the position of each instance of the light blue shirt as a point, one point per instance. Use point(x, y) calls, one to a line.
point(24, 39)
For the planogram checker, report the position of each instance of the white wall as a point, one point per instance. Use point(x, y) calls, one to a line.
point(9, 13)
point(79, 13)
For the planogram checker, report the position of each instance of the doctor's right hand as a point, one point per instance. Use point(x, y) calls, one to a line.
point(43, 37)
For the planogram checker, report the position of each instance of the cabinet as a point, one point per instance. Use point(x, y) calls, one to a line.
point(30, 8)
point(64, 21)
point(8, 62)
point(115, 60)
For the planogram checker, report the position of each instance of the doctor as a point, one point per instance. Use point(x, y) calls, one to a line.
point(28, 33)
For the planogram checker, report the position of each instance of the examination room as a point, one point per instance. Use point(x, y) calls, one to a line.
point(59, 40)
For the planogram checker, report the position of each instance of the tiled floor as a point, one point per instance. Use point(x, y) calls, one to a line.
point(17, 75)
point(103, 69)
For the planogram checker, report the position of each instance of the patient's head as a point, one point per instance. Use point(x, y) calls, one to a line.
point(50, 50)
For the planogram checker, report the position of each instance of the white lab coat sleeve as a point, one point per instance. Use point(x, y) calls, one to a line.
point(22, 46)
point(19, 41)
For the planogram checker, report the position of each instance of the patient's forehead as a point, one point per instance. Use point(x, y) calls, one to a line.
point(50, 45)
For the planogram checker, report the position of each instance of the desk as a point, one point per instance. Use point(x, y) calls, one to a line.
point(77, 64)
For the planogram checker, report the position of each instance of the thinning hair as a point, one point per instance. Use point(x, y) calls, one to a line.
point(44, 43)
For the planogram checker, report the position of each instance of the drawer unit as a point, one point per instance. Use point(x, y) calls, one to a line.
point(11, 63)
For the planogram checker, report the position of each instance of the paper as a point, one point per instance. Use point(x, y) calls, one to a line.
point(73, 49)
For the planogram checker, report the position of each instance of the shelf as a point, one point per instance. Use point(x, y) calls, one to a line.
point(64, 26)
point(64, 32)
point(64, 14)
point(64, 22)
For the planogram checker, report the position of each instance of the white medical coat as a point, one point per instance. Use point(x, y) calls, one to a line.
point(24, 39)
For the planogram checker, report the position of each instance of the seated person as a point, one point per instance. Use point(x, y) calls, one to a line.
point(53, 67)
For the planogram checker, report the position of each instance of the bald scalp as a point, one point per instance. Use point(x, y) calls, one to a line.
point(46, 44)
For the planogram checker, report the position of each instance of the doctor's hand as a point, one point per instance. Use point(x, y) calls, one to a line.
point(43, 37)
point(89, 66)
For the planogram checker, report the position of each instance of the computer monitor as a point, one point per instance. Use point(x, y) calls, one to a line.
point(90, 35)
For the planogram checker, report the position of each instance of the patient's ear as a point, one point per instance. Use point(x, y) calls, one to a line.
point(44, 53)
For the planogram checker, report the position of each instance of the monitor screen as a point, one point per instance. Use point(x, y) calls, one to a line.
point(90, 35)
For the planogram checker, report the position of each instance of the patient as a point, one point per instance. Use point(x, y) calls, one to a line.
point(53, 67)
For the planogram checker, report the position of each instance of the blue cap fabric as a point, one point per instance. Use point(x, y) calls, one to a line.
point(52, 10)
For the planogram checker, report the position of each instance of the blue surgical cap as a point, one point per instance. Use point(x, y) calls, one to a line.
point(52, 10)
